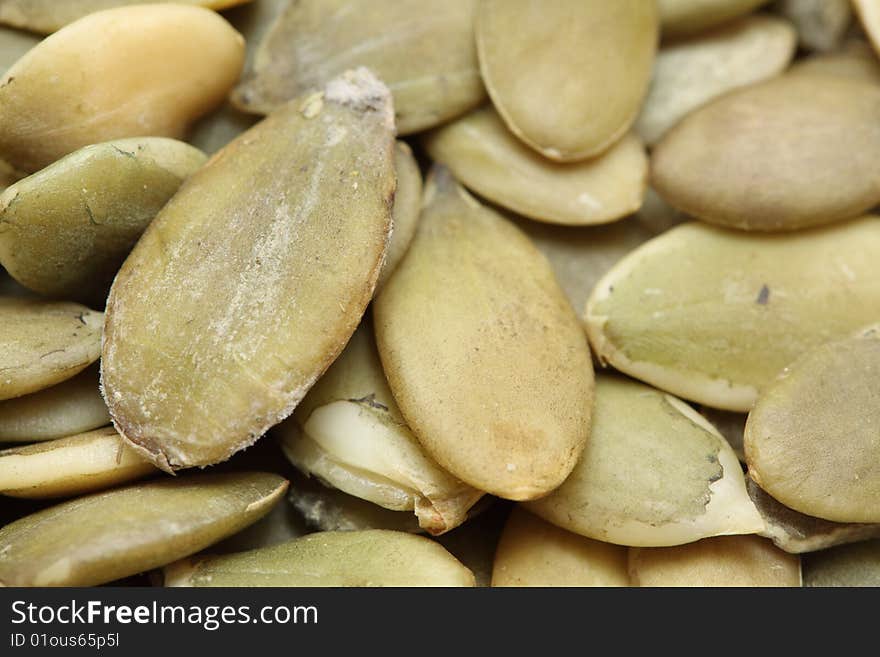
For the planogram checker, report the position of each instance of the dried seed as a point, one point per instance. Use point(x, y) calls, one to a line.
point(105, 536)
point(682, 17)
point(251, 280)
point(531, 51)
point(482, 351)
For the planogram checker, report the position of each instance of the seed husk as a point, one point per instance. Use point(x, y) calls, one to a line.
point(798, 533)
point(280, 236)
point(375, 557)
point(65, 230)
point(530, 52)
point(70, 466)
point(722, 561)
point(848, 565)
point(106, 536)
point(407, 207)
point(486, 157)
point(725, 166)
point(348, 432)
point(816, 428)
point(533, 552)
point(313, 41)
point(482, 351)
point(70, 407)
point(45, 342)
point(690, 72)
point(125, 72)
point(713, 315)
point(856, 61)
point(683, 17)
point(821, 24)
point(654, 473)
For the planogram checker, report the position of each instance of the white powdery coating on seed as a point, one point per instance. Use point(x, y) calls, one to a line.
point(360, 90)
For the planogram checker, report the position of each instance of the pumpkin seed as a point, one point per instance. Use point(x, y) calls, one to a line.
point(682, 480)
point(486, 157)
point(281, 234)
point(533, 552)
point(690, 72)
point(44, 342)
point(759, 173)
point(65, 230)
point(316, 40)
point(407, 207)
point(531, 51)
point(482, 351)
point(682, 17)
point(126, 72)
point(856, 61)
point(714, 315)
point(815, 429)
point(375, 557)
point(721, 561)
point(821, 24)
point(106, 536)
point(70, 407)
point(848, 565)
point(70, 466)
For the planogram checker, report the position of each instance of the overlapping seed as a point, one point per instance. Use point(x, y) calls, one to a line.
point(482, 351)
point(682, 17)
point(126, 72)
point(491, 161)
point(407, 207)
point(531, 53)
point(65, 230)
point(105, 536)
point(426, 57)
point(847, 565)
point(358, 558)
point(713, 315)
point(348, 432)
point(653, 473)
point(533, 552)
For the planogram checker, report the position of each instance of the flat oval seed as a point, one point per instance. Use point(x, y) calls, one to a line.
point(44, 342)
point(728, 561)
point(482, 351)
point(856, 61)
point(486, 157)
point(47, 16)
point(532, 552)
point(654, 473)
point(568, 77)
point(749, 159)
point(681, 17)
point(251, 280)
point(349, 433)
point(126, 72)
point(399, 40)
point(65, 231)
point(407, 207)
point(714, 315)
point(70, 407)
point(821, 24)
point(690, 72)
point(106, 536)
point(847, 565)
point(816, 429)
point(363, 558)
point(70, 466)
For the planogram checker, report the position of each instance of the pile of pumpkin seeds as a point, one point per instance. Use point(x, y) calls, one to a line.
point(479, 292)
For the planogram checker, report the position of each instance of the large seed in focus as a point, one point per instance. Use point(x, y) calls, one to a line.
point(483, 353)
point(680, 17)
point(485, 156)
point(691, 72)
point(784, 154)
point(653, 473)
point(106, 536)
point(349, 433)
point(44, 342)
point(817, 429)
point(426, 56)
point(65, 231)
point(407, 207)
point(713, 315)
point(360, 558)
point(568, 77)
point(532, 552)
point(70, 466)
point(248, 284)
point(741, 561)
point(126, 72)
point(70, 407)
